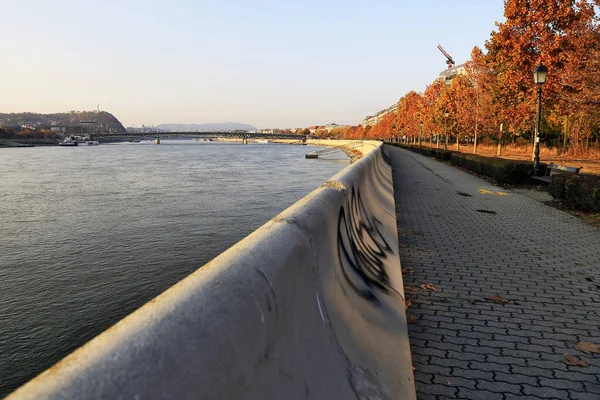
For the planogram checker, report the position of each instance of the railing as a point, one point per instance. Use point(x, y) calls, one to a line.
point(236, 135)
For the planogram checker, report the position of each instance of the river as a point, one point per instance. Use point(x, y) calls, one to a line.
point(89, 234)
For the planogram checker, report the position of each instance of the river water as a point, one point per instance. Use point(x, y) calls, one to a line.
point(89, 234)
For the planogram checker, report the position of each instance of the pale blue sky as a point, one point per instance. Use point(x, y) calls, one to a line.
point(266, 63)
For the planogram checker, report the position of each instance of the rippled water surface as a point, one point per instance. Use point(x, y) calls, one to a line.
point(88, 234)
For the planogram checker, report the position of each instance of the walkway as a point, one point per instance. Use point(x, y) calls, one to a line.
point(502, 288)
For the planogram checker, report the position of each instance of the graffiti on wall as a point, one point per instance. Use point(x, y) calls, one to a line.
point(362, 249)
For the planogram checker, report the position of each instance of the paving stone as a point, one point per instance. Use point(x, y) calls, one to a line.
point(582, 396)
point(423, 378)
point(466, 356)
point(592, 388)
point(515, 378)
point(445, 391)
point(576, 376)
point(532, 371)
point(499, 387)
point(445, 346)
point(545, 392)
point(464, 393)
point(561, 384)
point(505, 360)
point(482, 350)
point(429, 351)
point(448, 362)
point(472, 341)
point(455, 381)
point(434, 369)
point(473, 374)
point(489, 366)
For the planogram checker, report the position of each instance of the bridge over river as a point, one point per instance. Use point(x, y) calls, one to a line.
point(223, 135)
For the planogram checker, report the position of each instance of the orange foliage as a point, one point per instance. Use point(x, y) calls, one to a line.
point(498, 87)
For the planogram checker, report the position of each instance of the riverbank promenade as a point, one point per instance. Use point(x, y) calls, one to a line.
point(503, 289)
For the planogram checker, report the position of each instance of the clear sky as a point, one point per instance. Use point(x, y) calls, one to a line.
point(269, 63)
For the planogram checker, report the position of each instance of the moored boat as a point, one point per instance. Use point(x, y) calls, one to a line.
point(68, 142)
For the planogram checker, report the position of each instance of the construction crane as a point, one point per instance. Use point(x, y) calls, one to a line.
point(450, 60)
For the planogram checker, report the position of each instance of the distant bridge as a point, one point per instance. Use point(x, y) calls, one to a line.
point(224, 135)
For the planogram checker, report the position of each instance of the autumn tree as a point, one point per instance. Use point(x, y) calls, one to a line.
point(535, 31)
point(433, 123)
point(409, 115)
point(577, 105)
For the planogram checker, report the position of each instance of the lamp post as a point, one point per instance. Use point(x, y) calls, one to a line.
point(446, 114)
point(539, 77)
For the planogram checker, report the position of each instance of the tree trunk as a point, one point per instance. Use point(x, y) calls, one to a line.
point(475, 141)
point(499, 151)
point(587, 144)
point(566, 132)
point(457, 143)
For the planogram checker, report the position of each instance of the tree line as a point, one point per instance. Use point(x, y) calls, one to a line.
point(495, 99)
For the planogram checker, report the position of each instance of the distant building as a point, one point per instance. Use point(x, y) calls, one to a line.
point(332, 126)
point(58, 129)
point(447, 75)
point(371, 120)
point(271, 131)
point(450, 73)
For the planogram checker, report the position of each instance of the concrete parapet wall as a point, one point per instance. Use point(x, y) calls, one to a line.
point(365, 147)
point(310, 305)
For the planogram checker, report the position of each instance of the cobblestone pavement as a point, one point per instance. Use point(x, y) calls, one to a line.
point(472, 240)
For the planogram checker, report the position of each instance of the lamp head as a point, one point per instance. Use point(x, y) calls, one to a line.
point(539, 74)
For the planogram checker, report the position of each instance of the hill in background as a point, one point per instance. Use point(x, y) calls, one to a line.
point(216, 127)
point(104, 120)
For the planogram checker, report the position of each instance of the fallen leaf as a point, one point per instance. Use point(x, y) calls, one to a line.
point(496, 299)
point(524, 250)
point(446, 314)
point(428, 286)
point(588, 347)
point(407, 271)
point(572, 360)
point(418, 233)
point(449, 383)
point(451, 273)
point(407, 304)
point(411, 319)
point(411, 289)
point(498, 277)
point(414, 369)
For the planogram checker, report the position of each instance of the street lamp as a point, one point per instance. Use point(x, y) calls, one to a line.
point(539, 77)
point(446, 114)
